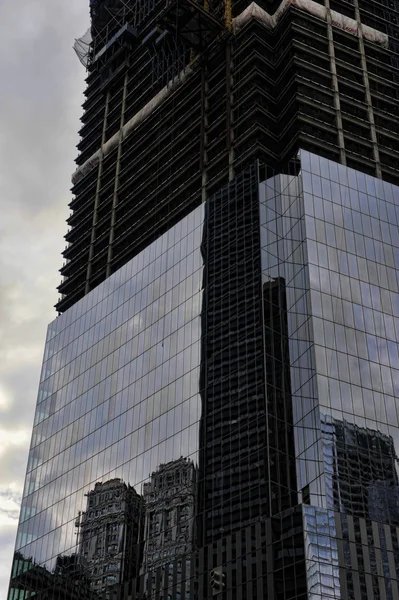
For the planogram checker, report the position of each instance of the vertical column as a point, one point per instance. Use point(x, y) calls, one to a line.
point(97, 197)
point(229, 109)
point(334, 81)
point(204, 131)
point(116, 182)
point(228, 15)
point(370, 112)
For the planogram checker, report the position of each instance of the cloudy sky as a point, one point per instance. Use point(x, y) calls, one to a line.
point(41, 84)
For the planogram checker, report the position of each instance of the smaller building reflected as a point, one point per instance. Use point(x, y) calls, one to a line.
point(67, 582)
point(169, 525)
point(109, 534)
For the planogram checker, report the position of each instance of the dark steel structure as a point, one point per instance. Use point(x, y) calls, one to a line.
point(182, 96)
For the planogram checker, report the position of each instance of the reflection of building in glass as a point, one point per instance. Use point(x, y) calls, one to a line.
point(108, 534)
point(68, 582)
point(73, 568)
point(247, 461)
point(169, 534)
point(233, 463)
point(343, 355)
point(281, 450)
point(321, 552)
point(362, 484)
point(361, 471)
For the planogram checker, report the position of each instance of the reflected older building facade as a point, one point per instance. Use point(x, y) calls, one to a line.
point(109, 532)
point(227, 401)
point(169, 527)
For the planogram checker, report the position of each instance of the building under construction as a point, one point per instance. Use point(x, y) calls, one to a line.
point(217, 415)
point(184, 95)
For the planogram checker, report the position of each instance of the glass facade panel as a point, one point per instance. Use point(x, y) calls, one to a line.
point(149, 443)
point(220, 415)
point(114, 453)
point(329, 242)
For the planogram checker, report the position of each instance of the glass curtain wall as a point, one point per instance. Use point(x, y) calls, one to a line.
point(331, 234)
point(227, 400)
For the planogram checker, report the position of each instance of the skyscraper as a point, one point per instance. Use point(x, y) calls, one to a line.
point(217, 408)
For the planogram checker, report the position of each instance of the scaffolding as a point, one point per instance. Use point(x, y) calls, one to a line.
point(190, 100)
point(110, 16)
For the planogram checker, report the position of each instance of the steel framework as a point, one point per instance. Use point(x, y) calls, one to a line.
point(182, 96)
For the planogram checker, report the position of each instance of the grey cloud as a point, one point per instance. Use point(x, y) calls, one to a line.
point(13, 461)
point(41, 83)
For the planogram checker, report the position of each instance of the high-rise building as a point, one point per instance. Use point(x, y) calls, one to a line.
point(217, 413)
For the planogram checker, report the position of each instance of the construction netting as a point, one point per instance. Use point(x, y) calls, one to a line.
point(82, 47)
point(253, 11)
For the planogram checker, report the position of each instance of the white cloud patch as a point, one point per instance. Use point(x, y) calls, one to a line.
point(13, 438)
point(10, 500)
point(41, 92)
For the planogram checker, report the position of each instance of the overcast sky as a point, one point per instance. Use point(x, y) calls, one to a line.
point(41, 85)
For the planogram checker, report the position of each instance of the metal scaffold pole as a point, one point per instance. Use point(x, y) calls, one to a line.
point(116, 182)
point(204, 131)
point(229, 109)
point(97, 199)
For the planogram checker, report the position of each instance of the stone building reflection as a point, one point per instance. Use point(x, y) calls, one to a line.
point(109, 531)
point(169, 525)
point(124, 540)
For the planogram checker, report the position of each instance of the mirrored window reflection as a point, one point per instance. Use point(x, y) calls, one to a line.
point(341, 273)
point(150, 434)
point(229, 393)
point(119, 404)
